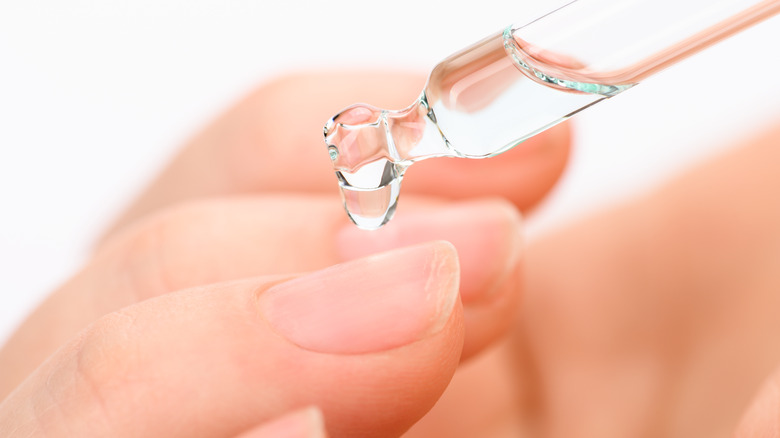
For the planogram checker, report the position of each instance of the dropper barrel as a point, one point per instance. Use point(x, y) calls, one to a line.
point(624, 42)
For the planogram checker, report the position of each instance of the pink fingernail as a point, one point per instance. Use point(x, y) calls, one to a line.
point(486, 234)
point(306, 423)
point(370, 304)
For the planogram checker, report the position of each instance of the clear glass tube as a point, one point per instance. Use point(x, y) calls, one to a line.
point(624, 42)
point(494, 95)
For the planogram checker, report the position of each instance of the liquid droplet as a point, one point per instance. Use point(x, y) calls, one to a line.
point(374, 149)
point(370, 194)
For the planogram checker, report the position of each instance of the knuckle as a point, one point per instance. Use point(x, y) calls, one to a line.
point(107, 352)
point(86, 388)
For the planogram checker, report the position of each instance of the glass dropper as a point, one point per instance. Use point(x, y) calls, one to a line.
point(497, 93)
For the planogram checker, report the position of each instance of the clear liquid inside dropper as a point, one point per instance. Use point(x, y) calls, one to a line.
point(478, 103)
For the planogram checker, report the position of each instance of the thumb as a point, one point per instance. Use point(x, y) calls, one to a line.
point(372, 342)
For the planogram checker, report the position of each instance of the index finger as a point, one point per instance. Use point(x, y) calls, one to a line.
point(272, 142)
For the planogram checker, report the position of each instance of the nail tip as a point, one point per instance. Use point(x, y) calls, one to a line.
point(443, 281)
point(316, 422)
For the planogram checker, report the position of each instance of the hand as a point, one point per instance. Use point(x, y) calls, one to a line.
point(657, 318)
point(196, 316)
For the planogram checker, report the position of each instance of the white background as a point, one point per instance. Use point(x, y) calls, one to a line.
point(96, 95)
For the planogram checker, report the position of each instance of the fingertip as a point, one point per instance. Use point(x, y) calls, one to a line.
point(366, 305)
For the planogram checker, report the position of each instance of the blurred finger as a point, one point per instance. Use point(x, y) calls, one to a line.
point(213, 361)
point(661, 297)
point(272, 142)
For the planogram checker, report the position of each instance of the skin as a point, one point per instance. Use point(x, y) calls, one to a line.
point(136, 321)
point(649, 319)
point(656, 318)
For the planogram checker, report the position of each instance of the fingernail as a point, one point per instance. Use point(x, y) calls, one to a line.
point(306, 423)
point(486, 234)
point(367, 305)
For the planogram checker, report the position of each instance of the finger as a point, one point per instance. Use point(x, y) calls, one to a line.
point(215, 241)
point(372, 342)
point(307, 423)
point(662, 297)
point(272, 141)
